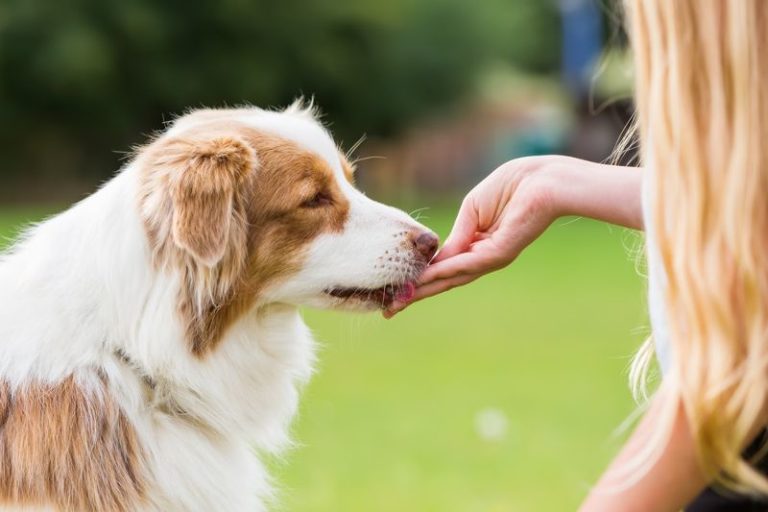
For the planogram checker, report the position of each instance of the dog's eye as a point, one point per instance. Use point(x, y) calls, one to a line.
point(320, 199)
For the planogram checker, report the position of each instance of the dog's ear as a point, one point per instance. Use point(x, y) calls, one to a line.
point(205, 185)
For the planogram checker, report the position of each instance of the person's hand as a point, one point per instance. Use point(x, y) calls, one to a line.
point(515, 204)
point(497, 220)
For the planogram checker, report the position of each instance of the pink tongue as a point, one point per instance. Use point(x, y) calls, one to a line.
point(406, 292)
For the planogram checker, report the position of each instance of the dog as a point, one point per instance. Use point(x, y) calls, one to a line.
point(151, 345)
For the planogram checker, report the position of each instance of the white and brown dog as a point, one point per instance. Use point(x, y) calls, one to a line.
point(149, 335)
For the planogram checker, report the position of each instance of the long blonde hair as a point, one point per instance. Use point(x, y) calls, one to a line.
point(702, 110)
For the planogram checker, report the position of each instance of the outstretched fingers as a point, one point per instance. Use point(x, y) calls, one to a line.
point(481, 257)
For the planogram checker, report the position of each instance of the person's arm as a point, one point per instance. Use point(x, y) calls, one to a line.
point(668, 485)
point(515, 204)
point(604, 192)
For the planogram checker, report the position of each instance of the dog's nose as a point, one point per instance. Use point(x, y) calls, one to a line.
point(426, 243)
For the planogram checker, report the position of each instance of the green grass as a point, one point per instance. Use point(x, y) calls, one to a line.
point(388, 422)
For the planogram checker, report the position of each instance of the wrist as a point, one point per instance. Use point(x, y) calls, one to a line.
point(557, 176)
point(571, 183)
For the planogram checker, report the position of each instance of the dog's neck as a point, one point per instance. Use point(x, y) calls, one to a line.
point(248, 387)
point(63, 285)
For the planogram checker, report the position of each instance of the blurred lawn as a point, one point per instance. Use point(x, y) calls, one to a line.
point(389, 421)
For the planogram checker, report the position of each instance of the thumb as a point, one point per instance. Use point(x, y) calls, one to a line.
point(462, 233)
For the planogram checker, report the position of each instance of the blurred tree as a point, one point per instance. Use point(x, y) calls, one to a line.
point(84, 77)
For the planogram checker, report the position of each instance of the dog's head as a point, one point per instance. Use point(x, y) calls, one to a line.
point(253, 207)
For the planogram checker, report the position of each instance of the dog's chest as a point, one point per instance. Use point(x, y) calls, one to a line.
point(202, 436)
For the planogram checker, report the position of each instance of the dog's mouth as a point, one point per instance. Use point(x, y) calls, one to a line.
point(382, 297)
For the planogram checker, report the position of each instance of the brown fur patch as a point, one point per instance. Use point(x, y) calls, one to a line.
point(269, 221)
point(203, 187)
point(64, 446)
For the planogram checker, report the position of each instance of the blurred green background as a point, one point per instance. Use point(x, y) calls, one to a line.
point(498, 397)
point(501, 396)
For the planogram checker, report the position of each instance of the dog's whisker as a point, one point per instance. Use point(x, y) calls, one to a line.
point(356, 145)
point(366, 158)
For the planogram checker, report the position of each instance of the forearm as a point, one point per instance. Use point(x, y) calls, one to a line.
point(603, 192)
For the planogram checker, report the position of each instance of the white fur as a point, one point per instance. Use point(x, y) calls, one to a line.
point(80, 286)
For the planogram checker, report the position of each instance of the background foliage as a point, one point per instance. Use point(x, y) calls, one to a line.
point(90, 77)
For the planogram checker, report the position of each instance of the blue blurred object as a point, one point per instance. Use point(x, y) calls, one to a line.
point(582, 43)
point(536, 139)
